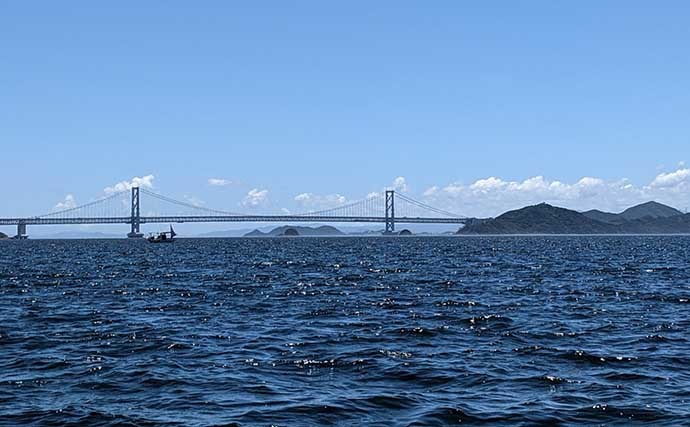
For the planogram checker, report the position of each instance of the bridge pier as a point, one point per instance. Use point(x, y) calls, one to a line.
point(21, 231)
point(390, 212)
point(135, 218)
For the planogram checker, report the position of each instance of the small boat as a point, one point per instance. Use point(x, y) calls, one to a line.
point(163, 237)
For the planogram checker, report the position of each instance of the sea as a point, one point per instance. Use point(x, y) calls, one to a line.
point(379, 331)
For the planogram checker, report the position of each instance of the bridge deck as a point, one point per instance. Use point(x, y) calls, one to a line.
point(243, 218)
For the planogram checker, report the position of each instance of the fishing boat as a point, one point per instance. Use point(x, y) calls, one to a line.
point(163, 236)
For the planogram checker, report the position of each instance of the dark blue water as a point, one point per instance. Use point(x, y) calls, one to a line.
point(346, 331)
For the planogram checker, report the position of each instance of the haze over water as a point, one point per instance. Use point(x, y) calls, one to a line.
point(346, 331)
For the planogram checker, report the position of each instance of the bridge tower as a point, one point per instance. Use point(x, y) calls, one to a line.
point(390, 212)
point(135, 218)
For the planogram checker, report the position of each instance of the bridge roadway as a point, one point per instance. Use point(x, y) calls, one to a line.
point(238, 218)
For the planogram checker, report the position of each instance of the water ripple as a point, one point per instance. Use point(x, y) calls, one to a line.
point(353, 331)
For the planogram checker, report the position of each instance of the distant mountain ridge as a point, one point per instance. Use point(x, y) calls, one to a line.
point(649, 210)
point(324, 230)
point(647, 218)
point(346, 230)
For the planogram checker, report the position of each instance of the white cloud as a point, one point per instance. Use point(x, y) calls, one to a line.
point(489, 184)
point(430, 192)
point(142, 182)
point(194, 200)
point(68, 203)
point(219, 182)
point(303, 197)
point(400, 184)
point(671, 179)
point(492, 196)
point(453, 188)
point(590, 182)
point(255, 198)
point(536, 185)
point(313, 201)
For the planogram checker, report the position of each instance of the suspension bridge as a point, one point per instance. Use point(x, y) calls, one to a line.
point(127, 207)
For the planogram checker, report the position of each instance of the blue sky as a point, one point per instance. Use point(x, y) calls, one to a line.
point(470, 103)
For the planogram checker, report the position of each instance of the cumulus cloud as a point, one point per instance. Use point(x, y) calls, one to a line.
point(195, 201)
point(255, 198)
point(491, 183)
point(493, 195)
point(453, 189)
point(313, 201)
point(303, 197)
point(430, 192)
point(536, 185)
point(671, 179)
point(68, 203)
point(219, 182)
point(399, 184)
point(142, 182)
